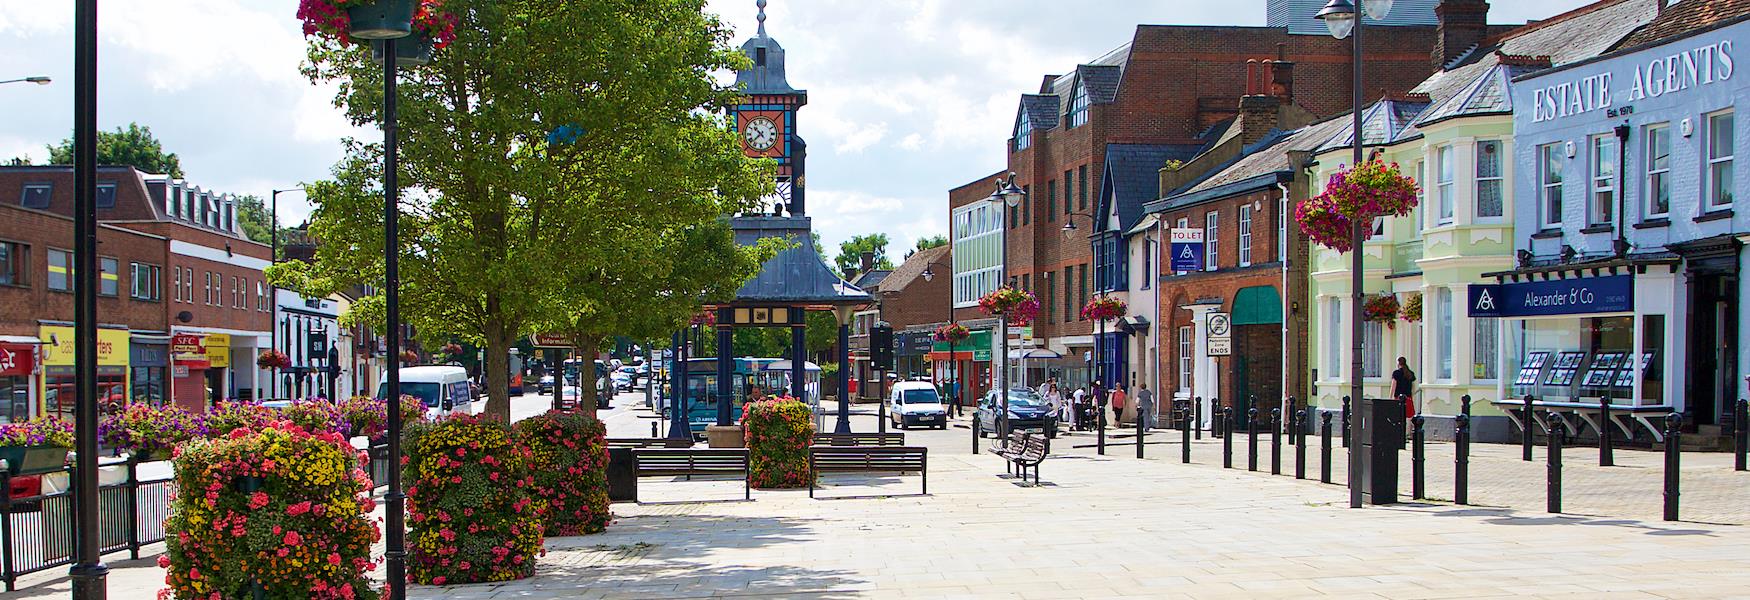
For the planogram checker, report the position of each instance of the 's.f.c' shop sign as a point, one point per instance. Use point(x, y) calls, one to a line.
point(1561, 297)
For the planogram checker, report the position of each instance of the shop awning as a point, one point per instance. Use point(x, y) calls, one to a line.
point(1257, 305)
point(1033, 353)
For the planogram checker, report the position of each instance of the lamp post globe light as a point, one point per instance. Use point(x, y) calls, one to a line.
point(953, 362)
point(1009, 196)
point(1342, 18)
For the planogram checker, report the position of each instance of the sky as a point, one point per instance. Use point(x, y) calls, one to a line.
point(907, 98)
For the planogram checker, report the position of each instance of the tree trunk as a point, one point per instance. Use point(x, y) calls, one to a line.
point(497, 371)
point(587, 394)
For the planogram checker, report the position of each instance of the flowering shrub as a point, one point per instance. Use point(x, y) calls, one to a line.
point(1412, 309)
point(705, 317)
point(778, 432)
point(148, 431)
point(231, 415)
point(273, 359)
point(317, 415)
point(1102, 308)
point(472, 512)
point(952, 332)
point(1019, 306)
point(47, 431)
point(1381, 309)
point(1370, 190)
point(570, 463)
point(280, 507)
point(409, 357)
point(369, 416)
point(434, 23)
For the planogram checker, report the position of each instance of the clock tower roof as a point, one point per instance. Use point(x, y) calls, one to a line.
point(767, 74)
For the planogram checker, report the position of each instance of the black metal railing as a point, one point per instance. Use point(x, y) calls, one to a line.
point(36, 531)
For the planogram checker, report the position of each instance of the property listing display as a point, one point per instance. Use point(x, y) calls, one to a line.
point(1584, 359)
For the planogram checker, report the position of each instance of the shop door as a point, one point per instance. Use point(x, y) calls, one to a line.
point(1712, 351)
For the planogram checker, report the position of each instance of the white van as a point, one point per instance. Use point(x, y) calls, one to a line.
point(916, 403)
point(443, 389)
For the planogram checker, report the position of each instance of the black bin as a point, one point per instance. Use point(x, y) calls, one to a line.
point(1381, 434)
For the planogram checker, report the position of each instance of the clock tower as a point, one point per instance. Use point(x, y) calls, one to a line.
point(766, 116)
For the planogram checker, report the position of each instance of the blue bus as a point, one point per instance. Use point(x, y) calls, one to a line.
point(753, 378)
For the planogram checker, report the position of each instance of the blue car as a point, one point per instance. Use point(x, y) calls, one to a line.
point(1026, 411)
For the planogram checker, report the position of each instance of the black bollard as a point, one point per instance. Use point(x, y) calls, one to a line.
point(1741, 435)
point(1553, 494)
point(1525, 429)
point(1185, 445)
point(1217, 424)
point(1418, 473)
point(1275, 441)
point(1140, 432)
point(1345, 421)
point(1461, 459)
point(1227, 441)
point(653, 429)
point(1252, 439)
point(1197, 417)
point(1325, 445)
point(1100, 425)
point(1606, 450)
point(1300, 448)
point(1672, 463)
point(975, 434)
point(881, 415)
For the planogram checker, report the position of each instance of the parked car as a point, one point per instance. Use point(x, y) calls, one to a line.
point(546, 386)
point(916, 403)
point(1026, 411)
point(443, 389)
point(623, 378)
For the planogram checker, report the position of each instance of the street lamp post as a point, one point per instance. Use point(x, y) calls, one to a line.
point(273, 301)
point(1342, 18)
point(1006, 195)
point(39, 80)
point(89, 575)
point(396, 513)
point(953, 361)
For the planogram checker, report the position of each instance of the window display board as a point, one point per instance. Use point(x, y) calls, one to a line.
point(1626, 376)
point(1603, 369)
point(1567, 365)
point(1529, 369)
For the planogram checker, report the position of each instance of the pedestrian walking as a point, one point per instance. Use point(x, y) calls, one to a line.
point(1145, 406)
point(1081, 399)
point(1097, 394)
point(1403, 382)
point(1118, 399)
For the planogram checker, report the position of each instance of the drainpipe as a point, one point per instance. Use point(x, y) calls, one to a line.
point(1283, 218)
point(1621, 246)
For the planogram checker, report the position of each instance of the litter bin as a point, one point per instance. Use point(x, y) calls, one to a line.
point(622, 475)
point(1381, 435)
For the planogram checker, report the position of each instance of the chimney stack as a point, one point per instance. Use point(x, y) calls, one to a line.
point(1281, 76)
point(1463, 23)
point(1251, 76)
point(1258, 115)
point(867, 260)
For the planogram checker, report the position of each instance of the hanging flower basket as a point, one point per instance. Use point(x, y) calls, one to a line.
point(1381, 309)
point(1104, 308)
point(1018, 306)
point(380, 19)
point(453, 349)
point(273, 359)
point(951, 333)
point(1371, 190)
point(706, 318)
point(1412, 309)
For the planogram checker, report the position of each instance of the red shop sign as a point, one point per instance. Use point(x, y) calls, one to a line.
point(16, 360)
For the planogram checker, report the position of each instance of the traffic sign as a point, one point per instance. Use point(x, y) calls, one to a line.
point(550, 340)
point(1220, 334)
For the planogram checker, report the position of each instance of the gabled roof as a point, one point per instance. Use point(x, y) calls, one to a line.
point(1687, 16)
point(1385, 122)
point(1041, 110)
point(1102, 75)
point(913, 268)
point(1132, 177)
point(1489, 94)
point(871, 280)
point(797, 276)
point(1101, 81)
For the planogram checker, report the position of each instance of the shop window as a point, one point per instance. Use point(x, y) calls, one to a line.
point(145, 283)
point(1484, 356)
point(148, 385)
point(1443, 177)
point(1720, 150)
point(1585, 358)
point(1372, 349)
point(1246, 235)
point(14, 264)
point(1549, 179)
point(1185, 359)
point(59, 393)
point(1211, 229)
point(60, 270)
point(1443, 334)
point(14, 399)
point(1489, 202)
point(1604, 159)
point(109, 279)
point(1658, 161)
point(36, 195)
point(1334, 339)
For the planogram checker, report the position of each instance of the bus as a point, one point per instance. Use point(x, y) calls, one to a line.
point(753, 377)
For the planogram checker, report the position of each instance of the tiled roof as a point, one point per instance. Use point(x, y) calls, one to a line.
point(1687, 16)
point(797, 275)
point(1103, 75)
point(1385, 122)
point(1041, 110)
point(1132, 176)
point(871, 280)
point(1101, 81)
point(913, 268)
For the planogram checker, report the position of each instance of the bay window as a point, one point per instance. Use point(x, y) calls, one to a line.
point(1489, 201)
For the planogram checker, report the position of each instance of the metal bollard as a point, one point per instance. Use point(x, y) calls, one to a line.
point(1741, 435)
point(1461, 459)
point(653, 429)
point(1197, 417)
point(1300, 448)
point(1673, 462)
point(1185, 445)
point(1418, 473)
point(1325, 444)
point(1525, 429)
point(1606, 450)
point(1141, 431)
point(1252, 439)
point(1227, 441)
point(975, 434)
point(881, 416)
point(1217, 423)
point(1553, 491)
point(1100, 426)
point(1345, 421)
point(1275, 441)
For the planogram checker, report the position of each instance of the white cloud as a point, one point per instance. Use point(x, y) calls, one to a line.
point(913, 142)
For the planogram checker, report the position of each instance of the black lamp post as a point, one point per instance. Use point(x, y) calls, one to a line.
point(1006, 195)
point(396, 513)
point(273, 227)
point(88, 573)
point(1342, 18)
point(39, 80)
point(953, 362)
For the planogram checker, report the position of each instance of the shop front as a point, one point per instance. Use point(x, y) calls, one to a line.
point(910, 349)
point(188, 372)
point(149, 368)
point(962, 369)
point(58, 391)
point(17, 373)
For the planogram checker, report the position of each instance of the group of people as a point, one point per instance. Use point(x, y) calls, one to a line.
point(1085, 407)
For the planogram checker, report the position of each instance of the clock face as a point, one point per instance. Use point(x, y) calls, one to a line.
point(761, 133)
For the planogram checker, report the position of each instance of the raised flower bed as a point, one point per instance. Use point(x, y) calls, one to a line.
point(231, 415)
point(779, 431)
point(39, 445)
point(473, 515)
point(569, 458)
point(149, 432)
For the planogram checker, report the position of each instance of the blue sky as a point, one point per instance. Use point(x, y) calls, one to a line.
point(907, 98)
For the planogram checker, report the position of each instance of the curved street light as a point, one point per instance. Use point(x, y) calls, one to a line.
point(38, 79)
point(959, 376)
point(1008, 195)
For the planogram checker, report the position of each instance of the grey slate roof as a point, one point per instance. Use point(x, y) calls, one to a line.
point(1132, 177)
point(871, 281)
point(768, 79)
point(1041, 110)
point(1385, 122)
point(796, 276)
point(1104, 75)
point(1489, 94)
point(1249, 172)
point(1101, 81)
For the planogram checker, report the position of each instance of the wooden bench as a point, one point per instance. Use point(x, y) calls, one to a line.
point(1023, 450)
point(669, 462)
point(868, 459)
point(859, 439)
point(649, 443)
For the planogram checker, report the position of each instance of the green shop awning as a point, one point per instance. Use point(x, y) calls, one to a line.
point(1257, 305)
point(978, 343)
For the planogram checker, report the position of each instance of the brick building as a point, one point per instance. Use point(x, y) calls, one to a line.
point(1086, 145)
point(197, 305)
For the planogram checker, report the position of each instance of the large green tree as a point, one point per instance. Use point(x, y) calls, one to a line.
point(851, 252)
point(505, 232)
point(133, 145)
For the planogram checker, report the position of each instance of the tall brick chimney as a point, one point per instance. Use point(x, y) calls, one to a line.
point(1463, 23)
point(1280, 77)
point(867, 261)
point(1258, 115)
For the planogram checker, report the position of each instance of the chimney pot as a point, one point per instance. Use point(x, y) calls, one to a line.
point(1462, 24)
point(1251, 76)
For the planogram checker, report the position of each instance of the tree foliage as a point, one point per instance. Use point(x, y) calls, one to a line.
point(934, 241)
point(133, 145)
point(851, 252)
point(503, 232)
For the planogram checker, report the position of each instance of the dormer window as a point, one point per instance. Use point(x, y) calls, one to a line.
point(1023, 131)
point(1078, 107)
point(759, 56)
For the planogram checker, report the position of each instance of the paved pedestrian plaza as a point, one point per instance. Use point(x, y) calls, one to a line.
point(1113, 526)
